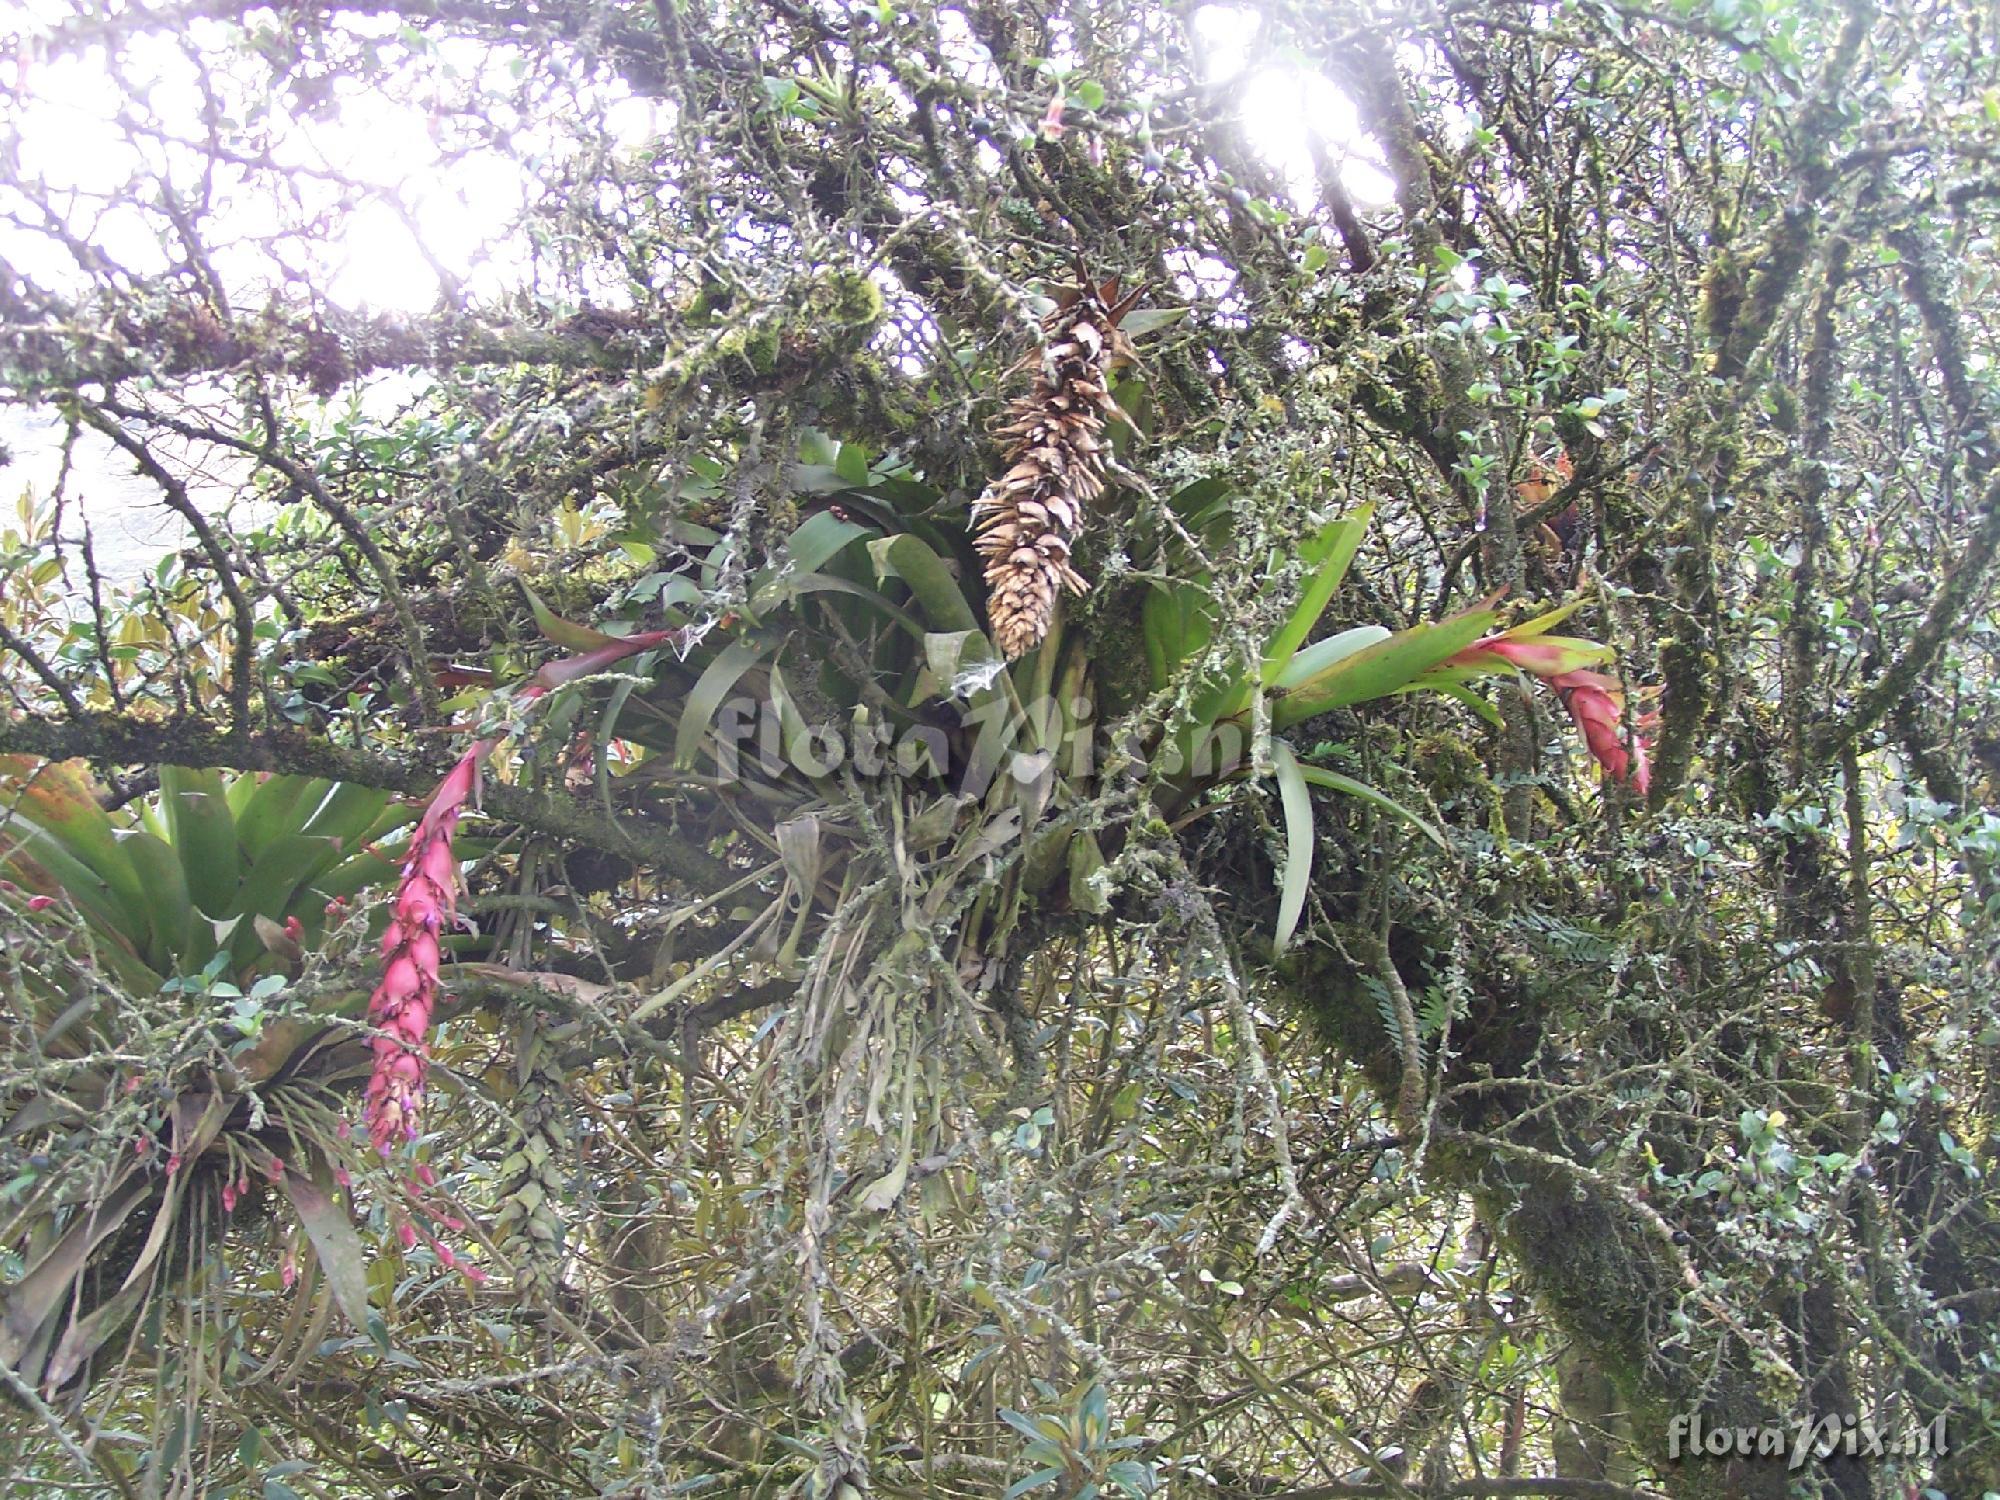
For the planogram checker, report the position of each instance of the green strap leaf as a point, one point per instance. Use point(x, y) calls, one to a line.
point(273, 806)
point(179, 943)
point(1330, 552)
point(1380, 669)
point(715, 684)
point(1335, 782)
point(1176, 620)
point(938, 593)
point(818, 538)
point(347, 813)
point(1321, 655)
point(1295, 879)
point(1542, 624)
point(203, 832)
point(827, 583)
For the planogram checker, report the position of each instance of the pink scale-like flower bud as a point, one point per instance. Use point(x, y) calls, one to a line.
point(1595, 702)
point(403, 1002)
point(426, 901)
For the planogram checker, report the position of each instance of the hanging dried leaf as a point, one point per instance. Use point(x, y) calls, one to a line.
point(1028, 519)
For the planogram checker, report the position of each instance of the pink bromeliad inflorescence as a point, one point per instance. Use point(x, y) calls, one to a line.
point(426, 904)
point(1597, 703)
point(401, 1007)
point(1594, 701)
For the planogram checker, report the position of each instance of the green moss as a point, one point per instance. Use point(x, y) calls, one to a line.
point(755, 345)
point(847, 299)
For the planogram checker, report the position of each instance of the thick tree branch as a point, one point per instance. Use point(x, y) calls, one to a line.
point(119, 741)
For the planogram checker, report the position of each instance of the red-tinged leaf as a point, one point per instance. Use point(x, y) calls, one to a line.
point(57, 799)
point(1543, 655)
point(554, 674)
point(335, 1243)
point(564, 633)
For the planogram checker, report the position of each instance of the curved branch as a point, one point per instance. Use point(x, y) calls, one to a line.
point(116, 740)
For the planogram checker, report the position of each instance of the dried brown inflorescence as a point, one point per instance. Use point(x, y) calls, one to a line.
point(1025, 522)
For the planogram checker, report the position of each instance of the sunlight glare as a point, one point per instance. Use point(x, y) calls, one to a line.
point(1284, 106)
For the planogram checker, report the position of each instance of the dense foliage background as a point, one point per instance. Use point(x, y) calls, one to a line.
point(1244, 1047)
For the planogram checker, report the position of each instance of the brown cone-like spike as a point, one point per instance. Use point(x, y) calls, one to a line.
point(1026, 521)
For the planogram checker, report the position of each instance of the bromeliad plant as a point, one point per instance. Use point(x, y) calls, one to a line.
point(997, 722)
point(219, 881)
point(234, 872)
point(1216, 734)
point(877, 570)
point(165, 1070)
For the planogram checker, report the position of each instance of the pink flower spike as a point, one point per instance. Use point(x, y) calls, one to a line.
point(1597, 704)
point(229, 1197)
point(474, 1274)
point(288, 1270)
point(407, 1233)
point(173, 1163)
point(404, 1000)
point(275, 1170)
point(40, 903)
